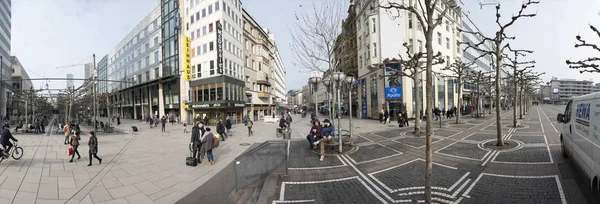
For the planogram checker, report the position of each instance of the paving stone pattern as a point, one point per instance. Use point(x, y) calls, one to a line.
point(533, 127)
point(493, 128)
point(445, 132)
point(413, 175)
point(529, 139)
point(525, 154)
point(481, 136)
point(345, 191)
point(389, 134)
point(466, 150)
point(416, 142)
point(492, 189)
point(298, 158)
point(461, 126)
point(360, 139)
point(401, 147)
point(371, 152)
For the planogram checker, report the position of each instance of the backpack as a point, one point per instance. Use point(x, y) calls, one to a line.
point(215, 141)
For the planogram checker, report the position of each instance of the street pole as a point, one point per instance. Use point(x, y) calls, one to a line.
point(350, 106)
point(94, 90)
point(339, 116)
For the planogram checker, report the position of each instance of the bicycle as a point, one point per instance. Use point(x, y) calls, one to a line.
point(16, 152)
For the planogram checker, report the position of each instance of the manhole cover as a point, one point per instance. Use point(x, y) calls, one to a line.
point(245, 144)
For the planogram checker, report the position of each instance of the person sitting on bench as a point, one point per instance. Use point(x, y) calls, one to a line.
point(314, 135)
point(327, 136)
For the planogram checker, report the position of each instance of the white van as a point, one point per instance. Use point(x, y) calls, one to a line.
point(580, 136)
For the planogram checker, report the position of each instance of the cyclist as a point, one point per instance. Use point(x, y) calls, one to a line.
point(5, 138)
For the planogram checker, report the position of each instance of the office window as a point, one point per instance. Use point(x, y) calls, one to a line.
point(203, 30)
point(198, 50)
point(148, 76)
point(192, 35)
point(193, 71)
point(204, 48)
point(147, 60)
point(420, 43)
point(439, 35)
point(259, 66)
point(203, 13)
point(197, 15)
point(156, 74)
point(146, 47)
point(374, 49)
point(210, 28)
point(192, 19)
point(155, 41)
point(212, 67)
point(198, 33)
point(448, 43)
point(447, 25)
point(217, 6)
point(209, 9)
point(211, 46)
point(367, 53)
point(199, 74)
point(259, 49)
point(374, 25)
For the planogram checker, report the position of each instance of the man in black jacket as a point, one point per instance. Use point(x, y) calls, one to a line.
point(196, 142)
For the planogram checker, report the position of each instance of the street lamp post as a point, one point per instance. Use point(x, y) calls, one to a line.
point(327, 83)
point(94, 90)
point(315, 81)
point(338, 77)
point(350, 81)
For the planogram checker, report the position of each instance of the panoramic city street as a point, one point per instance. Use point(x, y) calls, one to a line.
point(305, 101)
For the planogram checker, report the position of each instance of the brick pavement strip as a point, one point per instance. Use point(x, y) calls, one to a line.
point(299, 160)
point(371, 153)
point(480, 136)
point(347, 190)
point(525, 155)
point(464, 150)
point(415, 142)
point(490, 188)
point(530, 139)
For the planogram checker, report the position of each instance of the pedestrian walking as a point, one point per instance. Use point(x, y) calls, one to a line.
point(93, 144)
point(196, 142)
point(185, 128)
point(163, 122)
point(75, 144)
point(249, 124)
point(228, 125)
point(67, 132)
point(288, 119)
point(221, 129)
point(207, 145)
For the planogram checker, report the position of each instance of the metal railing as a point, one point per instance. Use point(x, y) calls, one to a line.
point(268, 158)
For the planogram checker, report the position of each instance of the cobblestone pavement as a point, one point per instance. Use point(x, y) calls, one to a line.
point(387, 165)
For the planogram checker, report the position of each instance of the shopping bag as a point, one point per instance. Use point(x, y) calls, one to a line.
point(217, 135)
point(70, 151)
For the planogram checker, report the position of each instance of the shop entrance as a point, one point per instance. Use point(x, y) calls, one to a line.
point(396, 107)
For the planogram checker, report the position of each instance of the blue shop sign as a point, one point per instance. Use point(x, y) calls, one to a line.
point(364, 109)
point(393, 93)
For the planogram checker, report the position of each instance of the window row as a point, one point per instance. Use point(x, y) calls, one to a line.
point(202, 13)
point(231, 48)
point(208, 68)
point(206, 29)
point(219, 91)
point(137, 39)
point(203, 49)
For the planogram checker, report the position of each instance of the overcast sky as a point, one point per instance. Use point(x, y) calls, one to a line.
point(47, 34)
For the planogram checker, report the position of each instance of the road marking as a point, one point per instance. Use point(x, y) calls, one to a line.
point(325, 167)
point(549, 121)
point(488, 159)
point(370, 182)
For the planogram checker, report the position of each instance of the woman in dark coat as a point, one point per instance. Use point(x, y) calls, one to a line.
point(208, 145)
point(93, 144)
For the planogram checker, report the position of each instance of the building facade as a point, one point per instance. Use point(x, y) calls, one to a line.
point(217, 79)
point(5, 57)
point(279, 73)
point(380, 35)
point(21, 85)
point(564, 89)
point(259, 69)
point(483, 64)
point(133, 68)
point(346, 57)
point(70, 82)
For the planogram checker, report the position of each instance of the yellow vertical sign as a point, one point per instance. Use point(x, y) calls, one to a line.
point(187, 71)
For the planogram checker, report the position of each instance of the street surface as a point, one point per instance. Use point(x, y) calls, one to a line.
point(386, 166)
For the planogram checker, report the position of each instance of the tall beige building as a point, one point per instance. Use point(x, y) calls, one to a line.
point(259, 54)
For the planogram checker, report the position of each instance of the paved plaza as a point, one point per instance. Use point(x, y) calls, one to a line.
point(387, 165)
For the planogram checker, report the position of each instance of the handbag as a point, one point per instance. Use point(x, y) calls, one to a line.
point(70, 150)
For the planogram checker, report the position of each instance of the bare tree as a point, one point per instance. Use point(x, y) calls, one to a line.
point(525, 78)
point(591, 63)
point(413, 69)
point(314, 35)
point(477, 78)
point(428, 17)
point(498, 40)
point(459, 69)
point(514, 64)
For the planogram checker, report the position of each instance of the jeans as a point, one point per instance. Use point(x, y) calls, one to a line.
point(223, 135)
point(95, 156)
point(250, 131)
point(289, 126)
point(185, 130)
point(210, 156)
point(75, 152)
point(67, 139)
point(322, 142)
point(163, 127)
point(311, 139)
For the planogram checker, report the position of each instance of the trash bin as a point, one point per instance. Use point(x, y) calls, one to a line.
point(287, 135)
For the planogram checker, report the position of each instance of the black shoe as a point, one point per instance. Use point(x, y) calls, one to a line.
point(78, 158)
point(100, 161)
point(89, 165)
point(71, 160)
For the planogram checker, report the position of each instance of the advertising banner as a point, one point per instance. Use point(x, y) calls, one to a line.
point(219, 49)
point(187, 70)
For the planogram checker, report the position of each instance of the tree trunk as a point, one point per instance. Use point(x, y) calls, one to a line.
point(516, 94)
point(417, 104)
point(521, 104)
point(498, 83)
point(460, 99)
point(428, 113)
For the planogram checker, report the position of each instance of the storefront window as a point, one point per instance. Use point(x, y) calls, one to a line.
point(451, 93)
point(441, 93)
point(374, 103)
